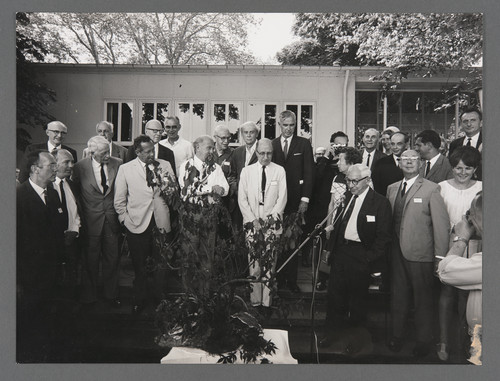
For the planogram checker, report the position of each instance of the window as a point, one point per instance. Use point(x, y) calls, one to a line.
point(264, 115)
point(304, 113)
point(154, 110)
point(192, 118)
point(227, 114)
point(121, 114)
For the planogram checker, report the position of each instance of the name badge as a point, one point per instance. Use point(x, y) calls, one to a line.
point(370, 218)
point(274, 182)
point(417, 200)
point(301, 182)
point(59, 210)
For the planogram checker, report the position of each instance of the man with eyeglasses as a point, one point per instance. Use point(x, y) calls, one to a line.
point(421, 231)
point(182, 149)
point(39, 242)
point(361, 235)
point(223, 152)
point(261, 193)
point(154, 130)
point(56, 131)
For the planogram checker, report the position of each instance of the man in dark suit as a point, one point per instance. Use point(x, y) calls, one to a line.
point(56, 131)
point(38, 245)
point(361, 235)
point(436, 167)
point(386, 171)
point(95, 178)
point(293, 153)
point(242, 156)
point(472, 124)
point(70, 229)
point(154, 130)
point(421, 231)
point(370, 152)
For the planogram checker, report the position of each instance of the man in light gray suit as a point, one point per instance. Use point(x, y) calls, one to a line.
point(95, 178)
point(436, 167)
point(261, 193)
point(140, 209)
point(421, 231)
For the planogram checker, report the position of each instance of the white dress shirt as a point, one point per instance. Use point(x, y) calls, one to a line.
point(433, 161)
point(473, 140)
point(52, 147)
point(97, 173)
point(39, 190)
point(249, 153)
point(183, 150)
point(351, 230)
point(73, 217)
point(365, 156)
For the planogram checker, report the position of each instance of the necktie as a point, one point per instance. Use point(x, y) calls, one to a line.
point(63, 203)
point(263, 183)
point(468, 142)
point(427, 168)
point(53, 152)
point(403, 189)
point(149, 176)
point(103, 180)
point(45, 196)
point(285, 148)
point(368, 160)
point(347, 215)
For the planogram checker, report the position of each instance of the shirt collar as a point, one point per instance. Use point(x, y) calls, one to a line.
point(473, 139)
point(434, 159)
point(38, 189)
point(410, 182)
point(95, 164)
point(289, 140)
point(52, 147)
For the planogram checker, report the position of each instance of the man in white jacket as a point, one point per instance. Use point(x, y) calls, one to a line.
point(261, 193)
point(466, 273)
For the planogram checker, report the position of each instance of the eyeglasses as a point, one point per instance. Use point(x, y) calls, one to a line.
point(57, 132)
point(410, 159)
point(171, 127)
point(154, 131)
point(265, 153)
point(354, 181)
point(51, 166)
point(223, 137)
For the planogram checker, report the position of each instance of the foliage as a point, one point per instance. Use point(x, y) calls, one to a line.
point(408, 43)
point(144, 38)
point(32, 96)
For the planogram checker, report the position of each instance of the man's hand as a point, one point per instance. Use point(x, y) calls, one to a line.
point(218, 189)
point(303, 207)
point(463, 229)
point(328, 231)
point(69, 237)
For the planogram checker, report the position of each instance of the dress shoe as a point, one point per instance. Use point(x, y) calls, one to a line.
point(395, 344)
point(293, 287)
point(421, 349)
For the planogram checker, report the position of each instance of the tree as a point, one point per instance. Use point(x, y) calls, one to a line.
point(144, 38)
point(32, 96)
point(407, 43)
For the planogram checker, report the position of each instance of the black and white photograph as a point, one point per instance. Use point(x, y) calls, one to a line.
point(250, 188)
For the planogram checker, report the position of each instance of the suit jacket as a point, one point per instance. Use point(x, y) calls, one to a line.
point(238, 161)
point(460, 142)
point(118, 151)
point(425, 224)
point(76, 194)
point(96, 207)
point(299, 168)
point(164, 153)
point(374, 224)
point(38, 235)
point(24, 172)
point(224, 161)
point(384, 173)
point(135, 201)
point(440, 171)
point(376, 156)
point(250, 194)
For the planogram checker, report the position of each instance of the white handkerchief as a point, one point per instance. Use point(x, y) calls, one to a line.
point(301, 181)
point(417, 200)
point(370, 218)
point(59, 210)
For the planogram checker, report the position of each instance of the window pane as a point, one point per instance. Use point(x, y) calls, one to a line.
point(112, 117)
point(269, 121)
point(199, 110)
point(369, 111)
point(147, 114)
point(161, 112)
point(306, 121)
point(127, 121)
point(234, 121)
point(234, 112)
point(220, 112)
point(411, 112)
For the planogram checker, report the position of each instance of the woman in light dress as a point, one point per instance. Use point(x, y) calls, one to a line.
point(458, 194)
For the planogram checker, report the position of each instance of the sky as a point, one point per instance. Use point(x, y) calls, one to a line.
point(274, 32)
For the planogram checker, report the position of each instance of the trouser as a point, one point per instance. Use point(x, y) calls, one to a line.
point(417, 279)
point(143, 248)
point(105, 247)
point(347, 286)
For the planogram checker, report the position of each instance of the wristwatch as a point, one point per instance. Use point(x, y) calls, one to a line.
point(458, 238)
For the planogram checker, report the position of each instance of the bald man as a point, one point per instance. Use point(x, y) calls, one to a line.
point(56, 132)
